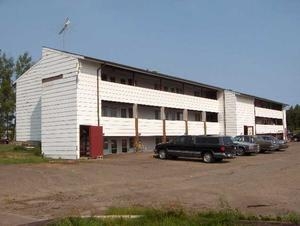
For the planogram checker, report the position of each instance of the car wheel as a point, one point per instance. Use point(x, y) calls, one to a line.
point(208, 157)
point(241, 151)
point(162, 154)
point(296, 139)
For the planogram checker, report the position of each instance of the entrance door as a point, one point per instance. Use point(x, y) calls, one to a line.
point(91, 141)
point(84, 141)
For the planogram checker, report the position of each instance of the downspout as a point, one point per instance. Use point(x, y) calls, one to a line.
point(99, 73)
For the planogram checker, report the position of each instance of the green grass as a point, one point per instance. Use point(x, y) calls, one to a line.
point(12, 154)
point(172, 217)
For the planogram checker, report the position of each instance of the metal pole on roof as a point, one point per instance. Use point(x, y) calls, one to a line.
point(63, 31)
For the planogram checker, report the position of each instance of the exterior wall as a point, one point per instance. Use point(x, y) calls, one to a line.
point(264, 112)
point(87, 95)
point(212, 128)
point(118, 126)
point(195, 128)
point(260, 129)
point(59, 108)
point(150, 127)
point(28, 104)
point(245, 113)
point(175, 128)
point(221, 115)
point(131, 94)
point(230, 113)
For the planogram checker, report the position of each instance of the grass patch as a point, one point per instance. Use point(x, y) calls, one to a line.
point(13, 154)
point(173, 217)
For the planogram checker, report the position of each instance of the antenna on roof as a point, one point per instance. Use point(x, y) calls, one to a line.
point(63, 30)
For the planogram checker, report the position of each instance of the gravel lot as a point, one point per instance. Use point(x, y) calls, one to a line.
point(262, 184)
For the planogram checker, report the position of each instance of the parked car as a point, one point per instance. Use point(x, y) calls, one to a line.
point(245, 148)
point(263, 144)
point(209, 148)
point(281, 144)
point(296, 137)
point(271, 139)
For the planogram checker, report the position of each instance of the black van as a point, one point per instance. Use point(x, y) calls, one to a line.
point(209, 148)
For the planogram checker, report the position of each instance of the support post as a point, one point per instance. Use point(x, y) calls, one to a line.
point(186, 118)
point(136, 124)
point(163, 117)
point(204, 121)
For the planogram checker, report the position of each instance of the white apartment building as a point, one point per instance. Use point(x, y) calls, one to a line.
point(77, 106)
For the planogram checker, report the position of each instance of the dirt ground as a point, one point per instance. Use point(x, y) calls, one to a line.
point(265, 184)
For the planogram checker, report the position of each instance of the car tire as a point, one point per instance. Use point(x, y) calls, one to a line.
point(241, 151)
point(162, 154)
point(208, 157)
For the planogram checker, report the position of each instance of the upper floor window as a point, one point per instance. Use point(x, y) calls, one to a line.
point(211, 117)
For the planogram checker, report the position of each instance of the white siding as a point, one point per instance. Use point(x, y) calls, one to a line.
point(149, 127)
point(260, 129)
point(195, 128)
point(245, 113)
point(60, 132)
point(28, 104)
point(212, 128)
point(230, 113)
point(269, 113)
point(221, 112)
point(131, 94)
point(175, 128)
point(118, 126)
point(87, 96)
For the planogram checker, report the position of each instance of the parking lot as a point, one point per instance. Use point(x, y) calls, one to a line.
point(262, 184)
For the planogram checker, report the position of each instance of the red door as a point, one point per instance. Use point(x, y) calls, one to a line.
point(96, 141)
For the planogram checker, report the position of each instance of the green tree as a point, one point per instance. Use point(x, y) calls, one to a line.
point(7, 95)
point(293, 117)
point(9, 69)
point(23, 63)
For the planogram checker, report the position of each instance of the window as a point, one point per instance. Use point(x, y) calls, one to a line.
point(198, 116)
point(157, 114)
point(114, 146)
point(131, 142)
point(123, 113)
point(211, 117)
point(124, 145)
point(156, 86)
point(196, 93)
point(166, 88)
point(130, 81)
point(179, 116)
point(113, 112)
point(173, 90)
point(112, 79)
point(105, 145)
point(158, 140)
point(130, 112)
point(104, 111)
point(123, 81)
point(104, 77)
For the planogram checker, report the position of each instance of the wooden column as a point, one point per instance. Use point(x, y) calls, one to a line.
point(186, 118)
point(204, 120)
point(163, 117)
point(136, 123)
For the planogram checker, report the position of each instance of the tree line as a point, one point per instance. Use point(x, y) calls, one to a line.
point(293, 118)
point(10, 70)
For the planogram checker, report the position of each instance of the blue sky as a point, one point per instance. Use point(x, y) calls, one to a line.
point(251, 46)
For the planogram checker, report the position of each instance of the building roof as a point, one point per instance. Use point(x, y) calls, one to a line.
point(158, 75)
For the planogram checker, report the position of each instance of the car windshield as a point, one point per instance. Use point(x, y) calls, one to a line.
point(227, 140)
